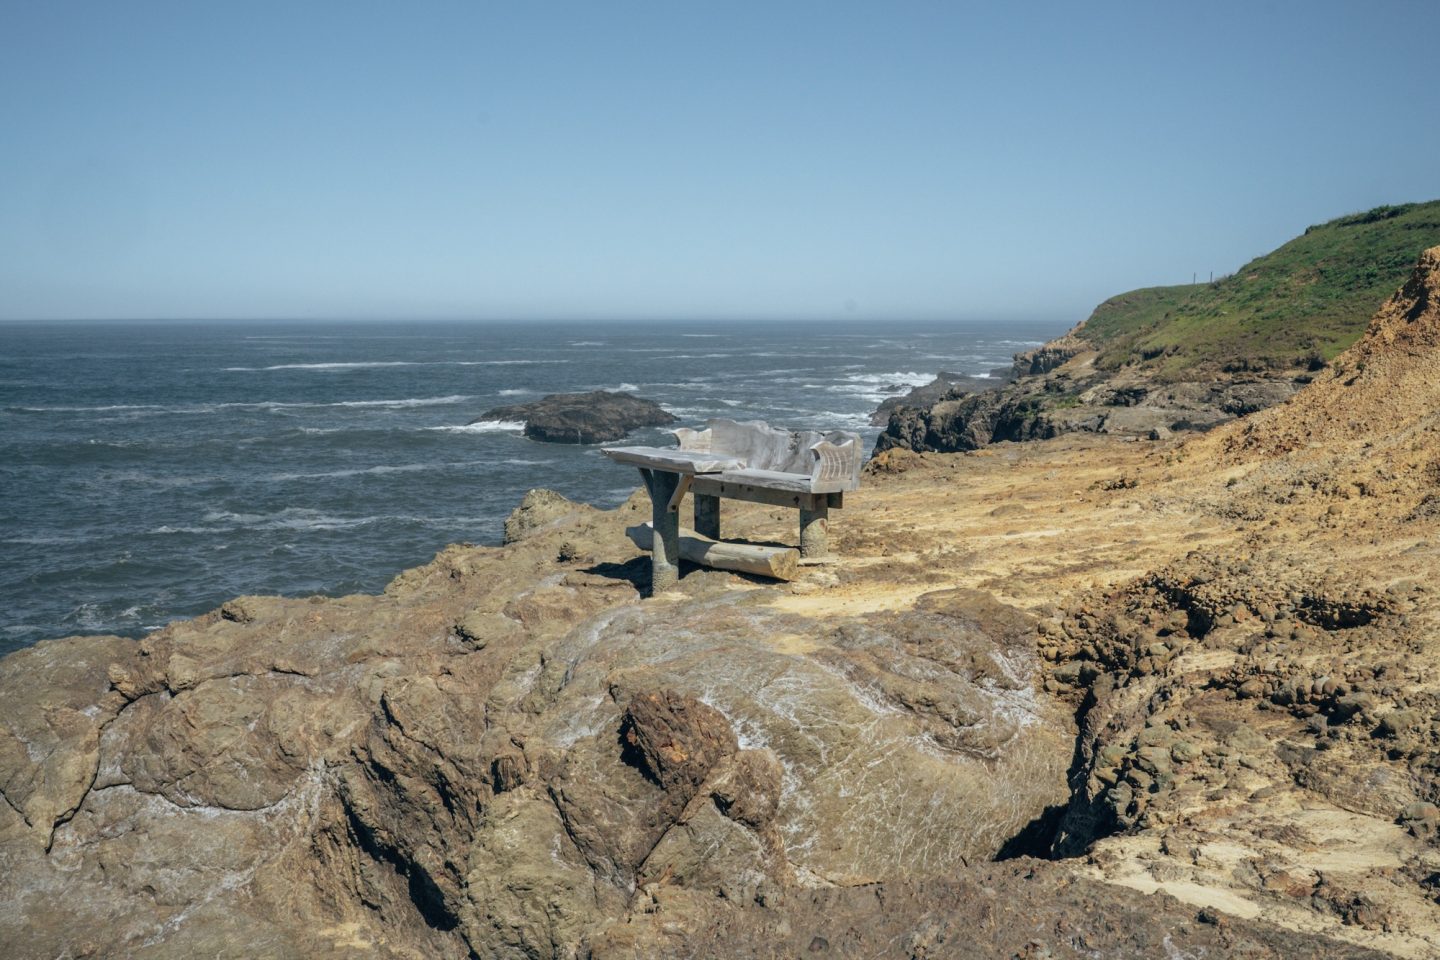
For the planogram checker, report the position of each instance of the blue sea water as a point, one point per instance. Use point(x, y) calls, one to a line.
point(150, 471)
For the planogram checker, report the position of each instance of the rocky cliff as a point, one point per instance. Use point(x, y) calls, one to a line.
point(1166, 360)
point(1198, 680)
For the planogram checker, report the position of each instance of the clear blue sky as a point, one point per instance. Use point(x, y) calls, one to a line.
point(885, 160)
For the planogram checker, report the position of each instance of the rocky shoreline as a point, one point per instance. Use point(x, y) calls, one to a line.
point(1072, 698)
point(1056, 389)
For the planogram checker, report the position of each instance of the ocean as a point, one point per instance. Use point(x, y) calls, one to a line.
point(151, 471)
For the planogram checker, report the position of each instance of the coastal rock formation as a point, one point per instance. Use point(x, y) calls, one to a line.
point(1164, 360)
point(595, 417)
point(1258, 722)
point(540, 510)
point(503, 755)
point(1075, 398)
point(1202, 677)
point(932, 392)
point(1049, 356)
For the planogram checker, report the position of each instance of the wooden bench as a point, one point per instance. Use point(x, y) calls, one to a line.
point(752, 461)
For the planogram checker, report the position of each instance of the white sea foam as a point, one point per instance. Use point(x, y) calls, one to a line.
point(379, 470)
point(291, 518)
point(199, 408)
point(408, 402)
point(627, 388)
point(365, 364)
point(104, 409)
point(868, 386)
point(324, 366)
point(515, 393)
point(483, 426)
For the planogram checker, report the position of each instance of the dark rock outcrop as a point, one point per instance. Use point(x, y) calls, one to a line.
point(924, 396)
point(1065, 393)
point(1048, 356)
point(594, 417)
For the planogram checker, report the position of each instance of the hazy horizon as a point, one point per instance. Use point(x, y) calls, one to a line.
point(813, 161)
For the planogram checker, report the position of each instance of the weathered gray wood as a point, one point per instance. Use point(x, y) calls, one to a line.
point(665, 548)
point(709, 485)
point(814, 531)
point(778, 563)
point(769, 479)
point(678, 496)
point(828, 462)
point(751, 461)
point(837, 466)
point(669, 458)
point(707, 515)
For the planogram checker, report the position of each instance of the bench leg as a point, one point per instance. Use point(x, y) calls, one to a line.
point(707, 515)
point(665, 551)
point(814, 530)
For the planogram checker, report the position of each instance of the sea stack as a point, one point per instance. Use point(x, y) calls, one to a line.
point(594, 417)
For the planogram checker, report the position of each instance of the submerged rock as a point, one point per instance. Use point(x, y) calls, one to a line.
point(595, 417)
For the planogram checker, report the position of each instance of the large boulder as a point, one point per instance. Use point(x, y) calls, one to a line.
point(594, 417)
point(503, 756)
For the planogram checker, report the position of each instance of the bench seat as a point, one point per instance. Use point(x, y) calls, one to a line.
point(769, 479)
point(671, 458)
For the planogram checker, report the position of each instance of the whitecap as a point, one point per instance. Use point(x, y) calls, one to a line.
point(482, 426)
point(359, 365)
point(408, 402)
point(109, 407)
point(198, 408)
point(291, 518)
point(366, 364)
point(379, 470)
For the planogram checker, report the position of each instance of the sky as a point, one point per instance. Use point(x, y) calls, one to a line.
point(672, 161)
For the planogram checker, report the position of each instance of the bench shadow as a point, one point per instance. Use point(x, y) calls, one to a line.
point(636, 571)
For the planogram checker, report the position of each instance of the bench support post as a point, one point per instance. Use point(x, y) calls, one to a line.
point(814, 529)
point(665, 551)
point(707, 515)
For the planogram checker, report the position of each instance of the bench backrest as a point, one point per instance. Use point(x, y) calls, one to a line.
point(832, 460)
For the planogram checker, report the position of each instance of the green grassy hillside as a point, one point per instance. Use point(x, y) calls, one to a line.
point(1301, 304)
